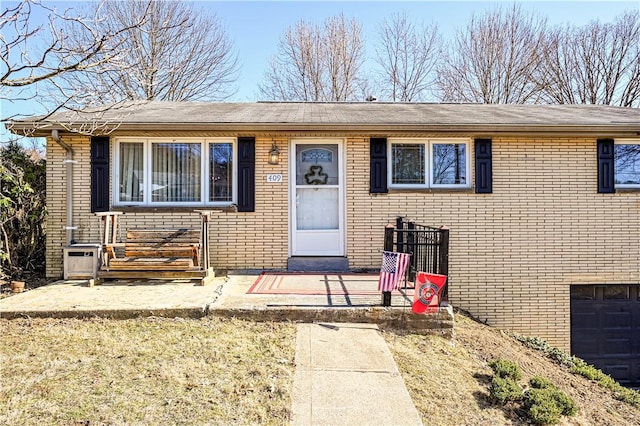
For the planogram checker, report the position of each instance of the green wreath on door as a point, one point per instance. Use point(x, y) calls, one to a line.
point(315, 176)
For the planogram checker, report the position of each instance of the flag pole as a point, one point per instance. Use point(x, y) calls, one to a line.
point(388, 246)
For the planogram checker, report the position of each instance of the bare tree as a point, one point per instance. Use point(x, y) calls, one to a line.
point(493, 59)
point(316, 63)
point(296, 73)
point(36, 56)
point(176, 53)
point(407, 56)
point(594, 64)
point(345, 56)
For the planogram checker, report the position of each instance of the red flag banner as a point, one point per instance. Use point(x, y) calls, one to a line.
point(392, 272)
point(428, 289)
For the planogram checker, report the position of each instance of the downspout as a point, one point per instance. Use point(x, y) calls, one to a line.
point(69, 161)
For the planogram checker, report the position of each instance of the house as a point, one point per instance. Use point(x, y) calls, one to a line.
point(543, 202)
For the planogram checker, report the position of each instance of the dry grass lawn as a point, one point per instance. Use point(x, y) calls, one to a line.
point(220, 371)
point(448, 380)
point(145, 371)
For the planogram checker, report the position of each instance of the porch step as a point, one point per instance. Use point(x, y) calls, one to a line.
point(318, 264)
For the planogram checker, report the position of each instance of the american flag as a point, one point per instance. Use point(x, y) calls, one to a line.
point(394, 267)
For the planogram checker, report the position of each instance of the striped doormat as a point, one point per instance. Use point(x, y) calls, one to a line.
point(316, 284)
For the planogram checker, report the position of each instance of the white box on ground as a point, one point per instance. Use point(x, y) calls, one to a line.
point(81, 260)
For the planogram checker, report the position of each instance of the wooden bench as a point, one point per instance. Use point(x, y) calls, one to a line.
point(156, 254)
point(157, 250)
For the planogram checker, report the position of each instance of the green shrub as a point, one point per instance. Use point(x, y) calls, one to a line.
point(504, 390)
point(546, 405)
point(22, 213)
point(627, 395)
point(506, 369)
point(566, 403)
point(545, 413)
point(620, 392)
point(590, 372)
point(538, 382)
point(586, 371)
point(581, 368)
point(542, 345)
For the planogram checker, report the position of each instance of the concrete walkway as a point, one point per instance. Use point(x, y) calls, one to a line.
point(345, 375)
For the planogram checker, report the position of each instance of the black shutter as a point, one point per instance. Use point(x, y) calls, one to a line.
point(484, 168)
point(99, 174)
point(378, 166)
point(606, 180)
point(246, 174)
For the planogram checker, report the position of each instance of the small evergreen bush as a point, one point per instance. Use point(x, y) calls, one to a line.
point(538, 382)
point(504, 390)
point(568, 405)
point(506, 369)
point(581, 368)
point(542, 345)
point(546, 405)
point(621, 393)
point(542, 408)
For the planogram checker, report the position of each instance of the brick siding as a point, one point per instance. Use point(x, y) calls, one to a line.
point(513, 253)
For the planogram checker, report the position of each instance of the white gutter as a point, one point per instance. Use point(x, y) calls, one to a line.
point(69, 161)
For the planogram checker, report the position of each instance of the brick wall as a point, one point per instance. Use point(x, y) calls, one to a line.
point(513, 253)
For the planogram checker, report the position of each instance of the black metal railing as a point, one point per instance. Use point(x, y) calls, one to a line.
point(428, 246)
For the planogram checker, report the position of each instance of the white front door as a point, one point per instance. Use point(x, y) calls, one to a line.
point(317, 191)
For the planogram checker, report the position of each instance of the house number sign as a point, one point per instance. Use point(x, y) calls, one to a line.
point(277, 178)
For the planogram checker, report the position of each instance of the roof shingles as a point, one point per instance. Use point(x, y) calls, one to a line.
point(368, 115)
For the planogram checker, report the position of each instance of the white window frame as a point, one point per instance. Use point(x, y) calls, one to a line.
point(205, 144)
point(625, 142)
point(428, 178)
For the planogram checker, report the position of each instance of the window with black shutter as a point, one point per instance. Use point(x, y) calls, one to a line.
point(484, 167)
point(99, 174)
point(606, 163)
point(246, 174)
point(191, 172)
point(378, 166)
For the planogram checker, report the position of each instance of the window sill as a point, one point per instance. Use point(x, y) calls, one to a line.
point(432, 190)
point(627, 190)
point(174, 209)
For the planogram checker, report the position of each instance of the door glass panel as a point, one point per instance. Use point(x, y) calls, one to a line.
point(317, 164)
point(317, 195)
point(317, 208)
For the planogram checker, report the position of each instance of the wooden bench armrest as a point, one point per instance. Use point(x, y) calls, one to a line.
point(195, 254)
point(110, 250)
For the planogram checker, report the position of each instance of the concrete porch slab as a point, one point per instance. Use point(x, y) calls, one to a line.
point(235, 302)
point(225, 297)
point(118, 300)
